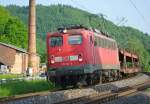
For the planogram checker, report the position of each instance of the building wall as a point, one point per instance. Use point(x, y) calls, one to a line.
point(7, 55)
point(17, 61)
point(38, 63)
point(20, 63)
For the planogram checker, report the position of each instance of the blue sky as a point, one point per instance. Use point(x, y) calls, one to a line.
point(114, 10)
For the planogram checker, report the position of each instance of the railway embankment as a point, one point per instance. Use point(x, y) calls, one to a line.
point(59, 96)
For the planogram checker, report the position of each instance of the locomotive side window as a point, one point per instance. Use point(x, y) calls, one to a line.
point(91, 40)
point(95, 41)
point(115, 45)
point(75, 39)
point(101, 42)
point(99, 39)
point(56, 41)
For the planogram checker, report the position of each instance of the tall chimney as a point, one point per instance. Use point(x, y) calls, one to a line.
point(32, 63)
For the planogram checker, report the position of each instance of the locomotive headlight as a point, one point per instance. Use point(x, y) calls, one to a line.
point(52, 61)
point(80, 58)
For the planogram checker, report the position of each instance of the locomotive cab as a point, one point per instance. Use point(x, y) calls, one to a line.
point(66, 55)
point(65, 49)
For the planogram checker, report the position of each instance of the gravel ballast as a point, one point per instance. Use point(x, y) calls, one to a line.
point(139, 98)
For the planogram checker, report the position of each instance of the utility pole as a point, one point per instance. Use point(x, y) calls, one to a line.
point(32, 59)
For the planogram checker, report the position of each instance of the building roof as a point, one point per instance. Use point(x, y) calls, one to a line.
point(14, 47)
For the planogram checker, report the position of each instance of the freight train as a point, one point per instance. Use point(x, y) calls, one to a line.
point(78, 54)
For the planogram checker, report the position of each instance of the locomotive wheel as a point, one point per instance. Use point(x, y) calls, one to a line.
point(90, 82)
point(63, 82)
point(89, 79)
point(101, 77)
point(64, 86)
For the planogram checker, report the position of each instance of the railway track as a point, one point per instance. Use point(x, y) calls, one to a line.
point(99, 97)
point(108, 95)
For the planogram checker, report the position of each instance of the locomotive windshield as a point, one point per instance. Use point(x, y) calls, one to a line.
point(56, 41)
point(75, 39)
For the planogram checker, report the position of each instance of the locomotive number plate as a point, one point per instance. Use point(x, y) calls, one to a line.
point(66, 58)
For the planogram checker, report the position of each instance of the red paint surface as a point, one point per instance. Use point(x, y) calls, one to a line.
point(90, 54)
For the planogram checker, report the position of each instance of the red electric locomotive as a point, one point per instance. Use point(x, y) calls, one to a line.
point(78, 54)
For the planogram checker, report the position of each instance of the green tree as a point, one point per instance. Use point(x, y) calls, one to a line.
point(13, 31)
point(49, 18)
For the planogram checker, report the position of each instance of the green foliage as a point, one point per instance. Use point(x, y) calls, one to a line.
point(3, 19)
point(135, 46)
point(24, 87)
point(12, 30)
point(51, 17)
point(41, 48)
point(9, 76)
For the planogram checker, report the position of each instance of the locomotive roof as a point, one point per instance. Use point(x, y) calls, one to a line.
point(76, 29)
point(79, 31)
point(104, 36)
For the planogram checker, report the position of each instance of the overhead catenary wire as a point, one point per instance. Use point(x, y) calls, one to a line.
point(78, 4)
point(146, 4)
point(70, 16)
point(122, 21)
point(83, 8)
point(102, 16)
point(140, 14)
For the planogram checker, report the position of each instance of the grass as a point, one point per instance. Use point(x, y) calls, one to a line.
point(148, 89)
point(24, 87)
point(9, 76)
